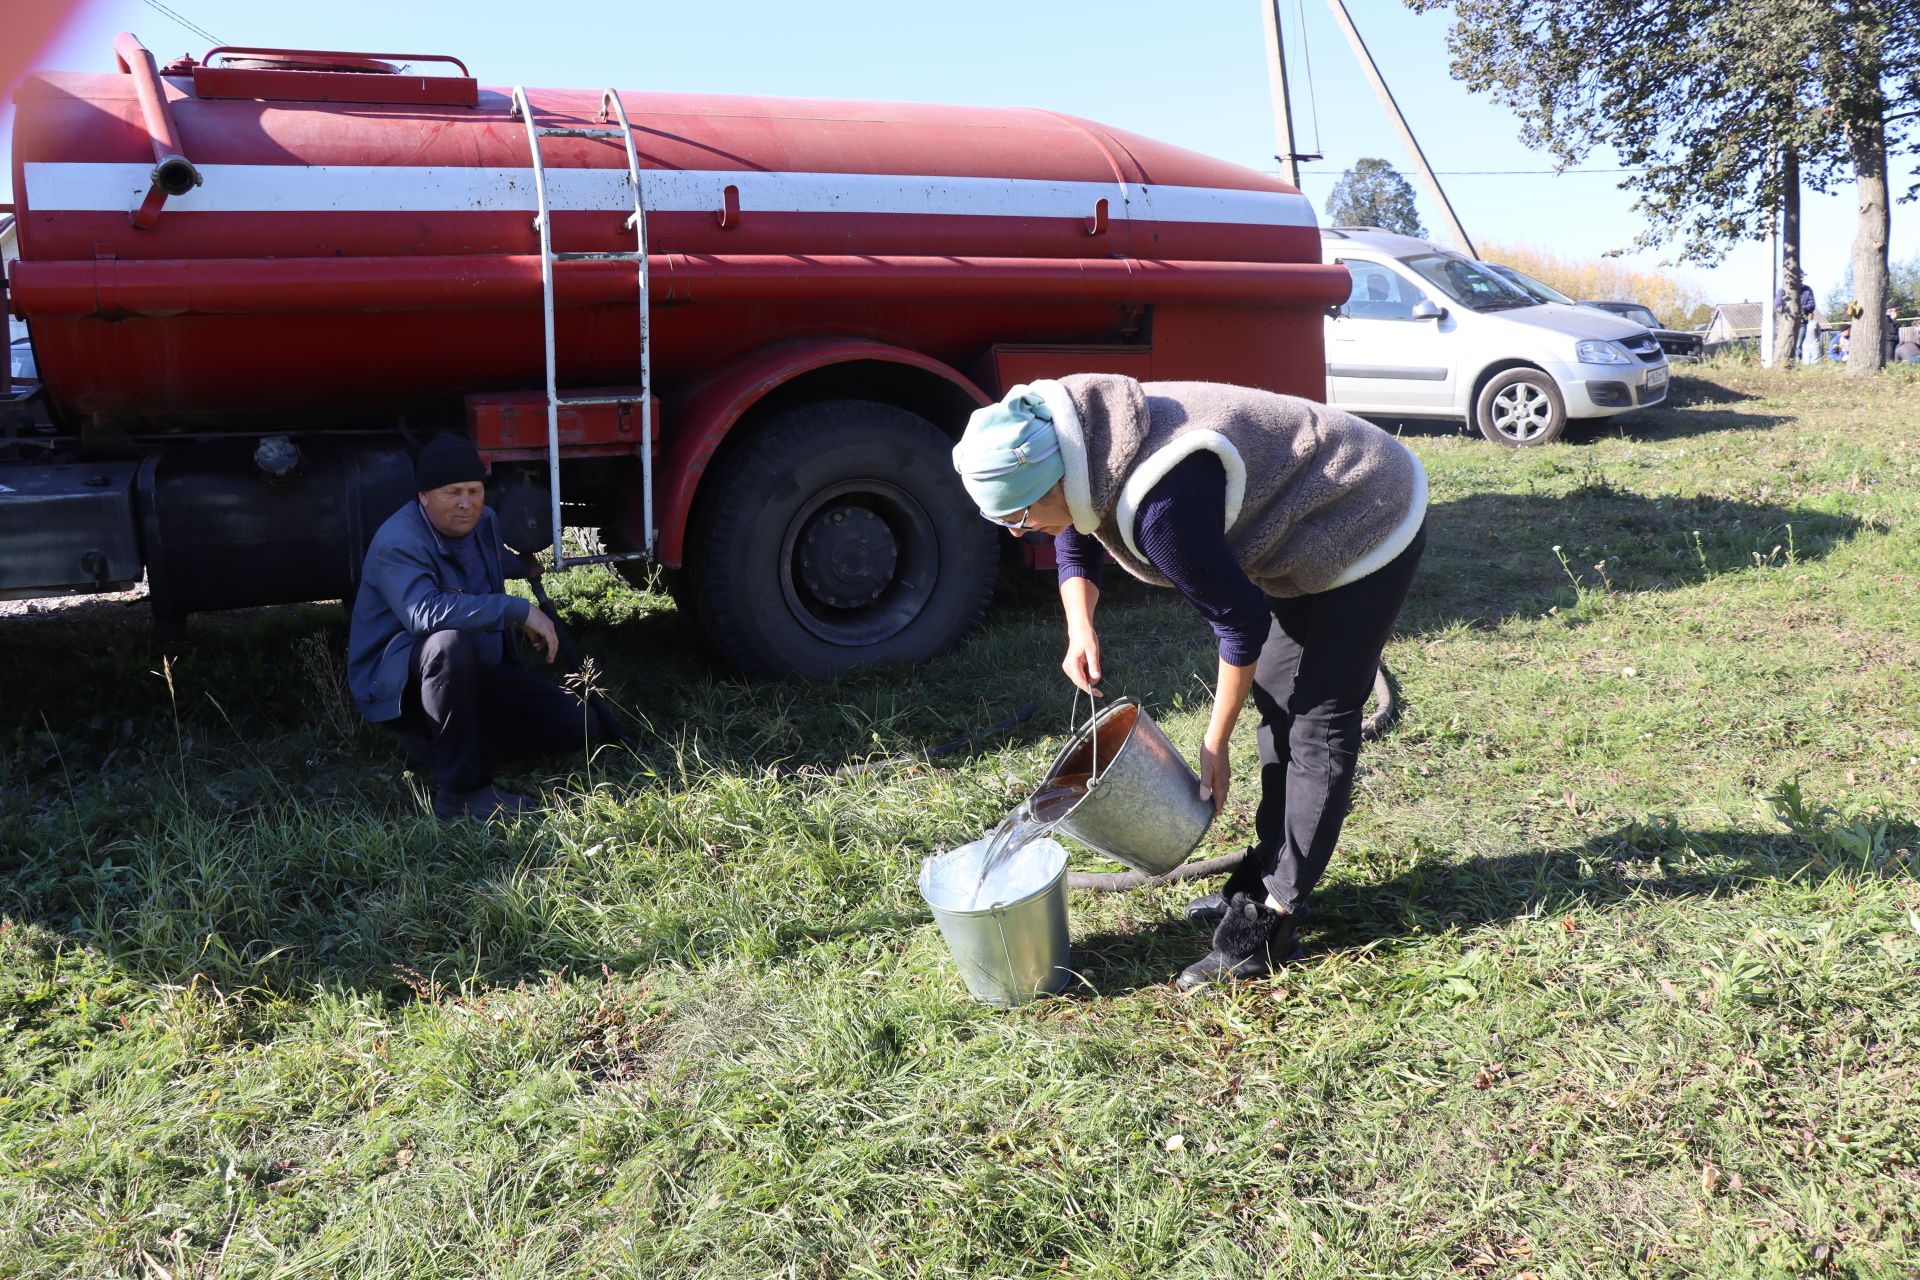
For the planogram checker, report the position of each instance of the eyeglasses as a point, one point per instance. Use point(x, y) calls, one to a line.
point(1008, 522)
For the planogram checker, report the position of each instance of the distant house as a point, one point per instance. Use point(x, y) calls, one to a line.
point(1733, 324)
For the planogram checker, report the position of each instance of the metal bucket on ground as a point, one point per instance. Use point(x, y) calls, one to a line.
point(1008, 952)
point(1142, 804)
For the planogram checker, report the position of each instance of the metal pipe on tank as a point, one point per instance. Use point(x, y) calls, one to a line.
point(254, 286)
point(173, 173)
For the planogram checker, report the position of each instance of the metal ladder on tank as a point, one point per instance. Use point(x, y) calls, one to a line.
point(611, 108)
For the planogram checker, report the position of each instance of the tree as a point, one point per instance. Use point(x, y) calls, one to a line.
point(1789, 334)
point(1704, 99)
point(1903, 287)
point(1372, 194)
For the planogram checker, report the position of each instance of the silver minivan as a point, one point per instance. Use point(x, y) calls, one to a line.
point(1430, 333)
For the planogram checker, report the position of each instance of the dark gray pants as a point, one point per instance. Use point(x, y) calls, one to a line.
point(460, 718)
point(1311, 684)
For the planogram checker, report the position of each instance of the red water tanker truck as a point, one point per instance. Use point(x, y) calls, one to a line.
point(737, 335)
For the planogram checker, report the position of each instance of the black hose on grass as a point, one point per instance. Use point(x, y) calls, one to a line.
point(1386, 696)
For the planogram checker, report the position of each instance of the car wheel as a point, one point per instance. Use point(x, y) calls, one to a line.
point(837, 536)
point(1520, 407)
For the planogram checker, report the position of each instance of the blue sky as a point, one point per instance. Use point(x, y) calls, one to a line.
point(1191, 73)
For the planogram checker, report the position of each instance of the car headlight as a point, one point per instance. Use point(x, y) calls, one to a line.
point(1600, 353)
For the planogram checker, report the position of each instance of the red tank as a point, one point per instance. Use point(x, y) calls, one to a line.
point(329, 248)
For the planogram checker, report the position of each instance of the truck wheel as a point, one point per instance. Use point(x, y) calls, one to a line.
point(1520, 407)
point(837, 536)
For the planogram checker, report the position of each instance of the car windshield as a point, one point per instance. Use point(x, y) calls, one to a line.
point(1527, 284)
point(1468, 283)
point(1637, 313)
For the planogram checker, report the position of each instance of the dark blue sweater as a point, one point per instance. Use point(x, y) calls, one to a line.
point(1180, 530)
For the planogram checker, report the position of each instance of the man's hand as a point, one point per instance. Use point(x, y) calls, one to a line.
point(1082, 663)
point(539, 629)
point(1216, 773)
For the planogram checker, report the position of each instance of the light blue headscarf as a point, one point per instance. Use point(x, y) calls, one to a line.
point(1009, 456)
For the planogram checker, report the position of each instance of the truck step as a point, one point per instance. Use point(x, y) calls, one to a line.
point(575, 402)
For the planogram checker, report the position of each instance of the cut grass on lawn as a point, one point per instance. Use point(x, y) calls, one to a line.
point(1616, 972)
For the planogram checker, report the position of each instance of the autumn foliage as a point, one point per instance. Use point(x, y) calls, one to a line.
point(1676, 302)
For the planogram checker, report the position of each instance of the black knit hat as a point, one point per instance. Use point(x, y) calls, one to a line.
point(447, 459)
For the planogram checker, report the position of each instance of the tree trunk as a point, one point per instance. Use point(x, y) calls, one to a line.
point(1786, 343)
point(1866, 348)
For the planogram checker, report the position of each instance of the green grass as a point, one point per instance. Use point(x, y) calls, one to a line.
point(1616, 973)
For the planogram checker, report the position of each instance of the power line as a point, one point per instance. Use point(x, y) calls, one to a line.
point(1306, 52)
point(1492, 173)
point(200, 31)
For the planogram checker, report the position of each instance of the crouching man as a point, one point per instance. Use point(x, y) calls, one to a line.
point(428, 656)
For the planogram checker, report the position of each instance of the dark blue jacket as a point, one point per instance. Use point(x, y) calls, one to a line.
point(410, 587)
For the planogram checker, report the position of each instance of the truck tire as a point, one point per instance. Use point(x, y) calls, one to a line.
point(1520, 408)
point(837, 536)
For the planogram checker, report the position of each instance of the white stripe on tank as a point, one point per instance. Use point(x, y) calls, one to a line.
point(54, 186)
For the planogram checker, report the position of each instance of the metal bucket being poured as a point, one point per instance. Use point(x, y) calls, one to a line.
point(1142, 802)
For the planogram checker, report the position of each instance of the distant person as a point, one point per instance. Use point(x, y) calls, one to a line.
point(1838, 347)
point(1796, 317)
point(1814, 349)
point(1293, 529)
point(427, 652)
point(1908, 349)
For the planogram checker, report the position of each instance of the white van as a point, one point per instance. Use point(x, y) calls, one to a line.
point(1430, 333)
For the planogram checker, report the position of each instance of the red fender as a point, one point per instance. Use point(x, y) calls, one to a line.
point(700, 419)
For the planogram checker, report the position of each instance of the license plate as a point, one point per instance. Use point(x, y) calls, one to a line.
point(1656, 378)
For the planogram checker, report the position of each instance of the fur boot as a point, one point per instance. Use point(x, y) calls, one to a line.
point(1251, 941)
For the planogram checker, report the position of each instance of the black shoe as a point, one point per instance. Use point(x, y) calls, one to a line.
point(1251, 942)
point(1208, 909)
point(486, 802)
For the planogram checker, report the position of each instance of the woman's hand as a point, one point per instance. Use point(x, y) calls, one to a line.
point(1078, 597)
point(1216, 773)
point(1082, 663)
point(1216, 768)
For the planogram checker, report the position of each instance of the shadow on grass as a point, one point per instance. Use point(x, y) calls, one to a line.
point(1494, 556)
point(1653, 425)
point(1644, 861)
point(1677, 417)
point(1491, 557)
point(1690, 389)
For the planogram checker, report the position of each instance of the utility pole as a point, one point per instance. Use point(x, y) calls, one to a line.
point(1282, 103)
point(1400, 122)
point(1767, 329)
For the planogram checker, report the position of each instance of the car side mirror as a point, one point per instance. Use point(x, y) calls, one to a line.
point(1426, 309)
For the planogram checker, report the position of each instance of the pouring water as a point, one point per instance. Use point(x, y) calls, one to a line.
point(1033, 819)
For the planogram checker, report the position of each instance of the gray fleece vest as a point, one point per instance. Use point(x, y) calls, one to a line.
point(1316, 498)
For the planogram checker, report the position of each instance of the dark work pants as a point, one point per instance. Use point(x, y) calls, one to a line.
point(462, 718)
point(1311, 684)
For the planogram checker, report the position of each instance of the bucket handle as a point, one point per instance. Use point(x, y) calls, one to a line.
point(1093, 734)
point(1000, 927)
